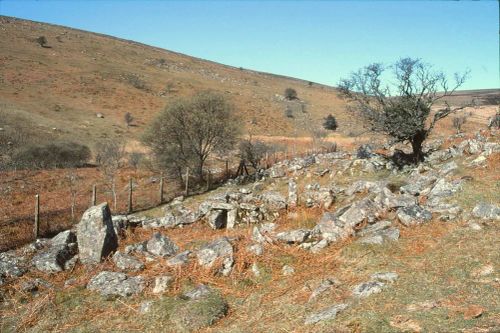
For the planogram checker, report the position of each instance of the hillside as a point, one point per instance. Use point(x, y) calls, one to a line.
point(61, 88)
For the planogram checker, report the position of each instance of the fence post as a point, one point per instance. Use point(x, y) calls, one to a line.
point(161, 188)
point(267, 160)
point(186, 191)
point(130, 195)
point(36, 228)
point(94, 195)
point(227, 169)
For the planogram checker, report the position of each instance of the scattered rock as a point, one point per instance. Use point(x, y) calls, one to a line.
point(198, 292)
point(64, 238)
point(54, 259)
point(96, 236)
point(127, 262)
point(145, 307)
point(162, 283)
point(162, 246)
point(483, 271)
point(327, 314)
point(11, 265)
point(386, 277)
point(116, 284)
point(274, 201)
point(220, 249)
point(293, 236)
point(256, 249)
point(180, 259)
point(368, 288)
point(413, 215)
point(486, 211)
point(325, 285)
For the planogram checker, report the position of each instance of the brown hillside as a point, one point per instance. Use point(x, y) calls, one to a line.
point(61, 87)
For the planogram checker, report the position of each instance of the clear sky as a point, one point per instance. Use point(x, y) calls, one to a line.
point(320, 41)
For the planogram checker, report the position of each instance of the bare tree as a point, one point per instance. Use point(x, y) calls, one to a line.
point(400, 105)
point(253, 152)
point(128, 119)
point(73, 178)
point(189, 131)
point(109, 158)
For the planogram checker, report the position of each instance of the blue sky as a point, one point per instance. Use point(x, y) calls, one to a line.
point(320, 41)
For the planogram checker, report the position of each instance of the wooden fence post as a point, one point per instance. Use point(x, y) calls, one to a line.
point(130, 195)
point(36, 228)
point(267, 160)
point(227, 169)
point(94, 195)
point(161, 188)
point(186, 191)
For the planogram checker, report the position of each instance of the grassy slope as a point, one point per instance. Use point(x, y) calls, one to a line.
point(83, 73)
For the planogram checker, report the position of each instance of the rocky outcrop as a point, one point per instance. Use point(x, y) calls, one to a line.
point(220, 251)
point(161, 246)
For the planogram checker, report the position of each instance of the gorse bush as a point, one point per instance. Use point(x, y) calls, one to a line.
point(51, 155)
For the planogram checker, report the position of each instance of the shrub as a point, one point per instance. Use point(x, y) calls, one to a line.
point(253, 152)
point(458, 122)
point(330, 123)
point(52, 155)
point(290, 94)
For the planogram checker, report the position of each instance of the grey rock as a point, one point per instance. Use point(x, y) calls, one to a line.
point(331, 228)
point(180, 259)
point(374, 228)
point(274, 201)
point(486, 211)
point(54, 259)
point(327, 314)
point(364, 185)
point(256, 249)
point(162, 283)
point(162, 246)
point(220, 249)
point(116, 284)
point(448, 168)
point(443, 188)
point(385, 277)
point(293, 236)
point(318, 246)
point(217, 218)
point(368, 288)
point(63, 238)
point(277, 172)
point(389, 200)
point(127, 262)
point(34, 285)
point(11, 265)
point(96, 236)
point(359, 211)
point(324, 286)
point(413, 215)
point(137, 247)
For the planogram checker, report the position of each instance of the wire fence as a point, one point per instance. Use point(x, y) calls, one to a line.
point(62, 208)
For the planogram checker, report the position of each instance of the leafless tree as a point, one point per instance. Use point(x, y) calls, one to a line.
point(73, 179)
point(190, 130)
point(399, 105)
point(109, 157)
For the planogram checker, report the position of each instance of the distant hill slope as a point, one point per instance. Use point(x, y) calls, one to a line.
point(61, 88)
point(56, 91)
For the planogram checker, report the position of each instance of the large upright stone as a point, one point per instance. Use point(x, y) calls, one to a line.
point(96, 236)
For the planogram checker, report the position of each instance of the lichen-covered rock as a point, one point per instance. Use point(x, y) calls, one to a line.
point(179, 259)
point(219, 250)
point(96, 236)
point(486, 211)
point(63, 238)
point(327, 314)
point(54, 259)
point(162, 246)
point(217, 218)
point(11, 265)
point(274, 201)
point(126, 262)
point(293, 198)
point(293, 236)
point(162, 283)
point(116, 284)
point(413, 215)
point(368, 288)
